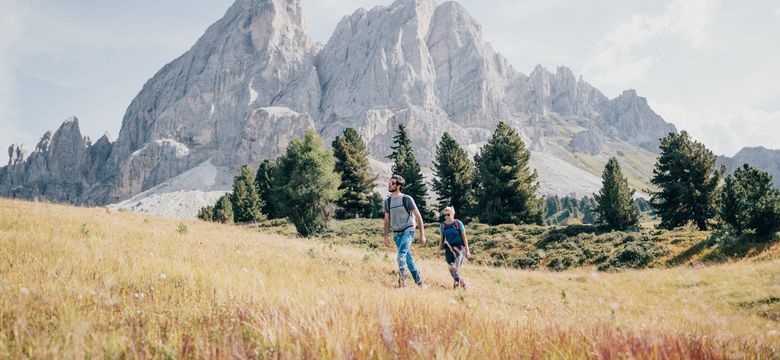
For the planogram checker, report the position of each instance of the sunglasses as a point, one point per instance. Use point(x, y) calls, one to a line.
point(447, 214)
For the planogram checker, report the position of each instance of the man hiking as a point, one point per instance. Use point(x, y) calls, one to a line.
point(402, 215)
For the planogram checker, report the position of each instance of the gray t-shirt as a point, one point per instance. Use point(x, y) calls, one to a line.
point(401, 219)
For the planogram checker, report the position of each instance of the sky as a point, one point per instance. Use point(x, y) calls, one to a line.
point(711, 67)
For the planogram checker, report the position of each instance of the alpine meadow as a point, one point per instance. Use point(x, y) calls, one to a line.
point(384, 183)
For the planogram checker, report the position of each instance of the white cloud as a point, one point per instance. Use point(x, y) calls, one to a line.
point(617, 64)
point(724, 130)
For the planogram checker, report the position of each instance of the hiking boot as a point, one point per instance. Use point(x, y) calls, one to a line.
point(455, 285)
point(464, 286)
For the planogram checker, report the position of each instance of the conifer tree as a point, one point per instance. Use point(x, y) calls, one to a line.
point(454, 177)
point(749, 201)
point(206, 213)
point(406, 165)
point(247, 204)
point(506, 192)
point(356, 178)
point(375, 206)
point(615, 207)
point(223, 210)
point(264, 184)
point(306, 184)
point(688, 181)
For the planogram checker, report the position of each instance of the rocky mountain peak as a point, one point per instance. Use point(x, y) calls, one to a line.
point(631, 119)
point(17, 154)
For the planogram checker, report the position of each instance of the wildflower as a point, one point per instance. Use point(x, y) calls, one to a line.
point(163, 277)
point(24, 291)
point(245, 270)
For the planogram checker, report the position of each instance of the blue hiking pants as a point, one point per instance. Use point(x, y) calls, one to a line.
point(404, 243)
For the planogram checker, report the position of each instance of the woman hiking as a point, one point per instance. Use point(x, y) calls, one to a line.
point(455, 245)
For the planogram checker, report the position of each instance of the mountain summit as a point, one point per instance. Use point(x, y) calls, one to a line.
point(255, 80)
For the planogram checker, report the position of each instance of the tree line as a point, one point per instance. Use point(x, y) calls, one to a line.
point(309, 184)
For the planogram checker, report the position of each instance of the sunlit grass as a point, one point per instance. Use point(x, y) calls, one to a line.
point(78, 282)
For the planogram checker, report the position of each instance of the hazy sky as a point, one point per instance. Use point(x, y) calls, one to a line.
point(711, 67)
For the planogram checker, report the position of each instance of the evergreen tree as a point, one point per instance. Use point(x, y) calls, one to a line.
point(264, 185)
point(506, 190)
point(454, 181)
point(616, 209)
point(223, 210)
point(247, 204)
point(406, 165)
point(356, 179)
point(688, 181)
point(306, 184)
point(749, 201)
point(376, 206)
point(206, 213)
point(552, 205)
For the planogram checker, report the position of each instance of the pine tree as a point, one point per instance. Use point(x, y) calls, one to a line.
point(506, 190)
point(264, 184)
point(306, 184)
point(688, 181)
point(407, 166)
point(749, 201)
point(223, 210)
point(247, 204)
point(206, 213)
point(356, 178)
point(615, 207)
point(376, 206)
point(454, 177)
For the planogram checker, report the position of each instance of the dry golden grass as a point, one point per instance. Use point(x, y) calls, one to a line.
point(78, 282)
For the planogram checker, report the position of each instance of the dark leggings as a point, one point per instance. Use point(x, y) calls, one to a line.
point(454, 260)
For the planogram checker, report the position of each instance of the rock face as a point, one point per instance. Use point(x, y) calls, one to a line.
point(64, 167)
point(758, 157)
point(255, 80)
point(258, 55)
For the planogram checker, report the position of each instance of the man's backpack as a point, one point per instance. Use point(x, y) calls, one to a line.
point(406, 200)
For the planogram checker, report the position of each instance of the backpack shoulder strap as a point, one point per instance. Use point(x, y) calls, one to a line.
point(407, 203)
point(456, 224)
point(387, 203)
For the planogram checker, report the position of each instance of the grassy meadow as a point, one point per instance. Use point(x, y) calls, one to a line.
point(86, 282)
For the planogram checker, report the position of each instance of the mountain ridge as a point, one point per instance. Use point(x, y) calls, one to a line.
point(255, 80)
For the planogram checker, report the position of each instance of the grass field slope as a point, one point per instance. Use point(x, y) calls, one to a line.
point(80, 282)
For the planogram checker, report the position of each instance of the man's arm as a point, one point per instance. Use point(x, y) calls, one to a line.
point(420, 222)
point(387, 229)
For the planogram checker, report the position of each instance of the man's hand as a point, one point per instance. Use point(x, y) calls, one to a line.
point(387, 241)
point(422, 239)
point(468, 253)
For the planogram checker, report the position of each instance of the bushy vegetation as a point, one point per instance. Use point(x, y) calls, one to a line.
point(498, 189)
